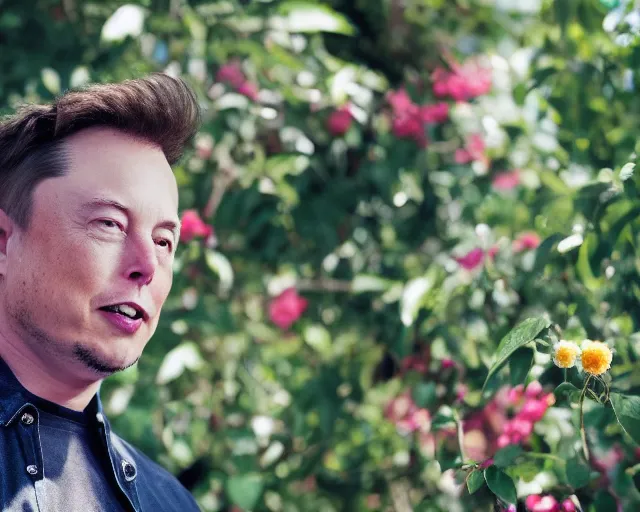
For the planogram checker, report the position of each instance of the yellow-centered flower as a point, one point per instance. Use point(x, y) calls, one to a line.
point(565, 354)
point(596, 357)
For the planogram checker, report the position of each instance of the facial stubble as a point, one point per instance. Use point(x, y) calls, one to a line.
point(90, 359)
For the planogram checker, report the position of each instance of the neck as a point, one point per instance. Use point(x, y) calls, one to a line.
point(44, 378)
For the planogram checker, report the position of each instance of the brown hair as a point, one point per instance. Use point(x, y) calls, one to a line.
point(157, 109)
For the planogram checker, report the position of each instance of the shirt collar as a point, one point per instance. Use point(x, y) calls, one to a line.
point(13, 397)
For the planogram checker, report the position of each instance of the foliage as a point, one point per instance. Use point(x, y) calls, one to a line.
point(393, 187)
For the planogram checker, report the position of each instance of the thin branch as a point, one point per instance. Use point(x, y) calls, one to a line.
point(324, 285)
point(221, 182)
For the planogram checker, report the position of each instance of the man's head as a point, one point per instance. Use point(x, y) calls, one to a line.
point(89, 221)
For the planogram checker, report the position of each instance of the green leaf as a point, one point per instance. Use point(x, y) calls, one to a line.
point(505, 457)
point(424, 393)
point(475, 481)
point(584, 267)
point(567, 391)
point(522, 334)
point(520, 364)
point(544, 250)
point(578, 473)
point(311, 17)
point(184, 356)
point(627, 410)
point(245, 490)
point(500, 484)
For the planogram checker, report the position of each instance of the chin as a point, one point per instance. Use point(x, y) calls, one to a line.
point(101, 363)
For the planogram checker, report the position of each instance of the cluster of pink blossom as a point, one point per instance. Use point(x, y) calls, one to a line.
point(192, 226)
point(539, 503)
point(406, 415)
point(339, 121)
point(533, 403)
point(475, 257)
point(462, 82)
point(231, 73)
point(286, 308)
point(505, 181)
point(474, 150)
point(409, 120)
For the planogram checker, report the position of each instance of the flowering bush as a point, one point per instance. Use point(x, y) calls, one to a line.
point(421, 292)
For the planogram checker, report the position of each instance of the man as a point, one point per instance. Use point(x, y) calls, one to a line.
point(88, 231)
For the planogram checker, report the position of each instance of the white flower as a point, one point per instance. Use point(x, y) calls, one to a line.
point(128, 20)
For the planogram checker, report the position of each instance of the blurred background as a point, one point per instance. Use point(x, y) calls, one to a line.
point(380, 191)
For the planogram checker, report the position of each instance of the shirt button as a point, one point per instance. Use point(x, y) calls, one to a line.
point(100, 417)
point(129, 470)
point(32, 469)
point(27, 418)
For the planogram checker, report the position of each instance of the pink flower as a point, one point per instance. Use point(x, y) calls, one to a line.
point(193, 226)
point(472, 259)
point(408, 119)
point(401, 102)
point(447, 363)
point(532, 500)
point(436, 113)
point(286, 308)
point(506, 180)
point(533, 410)
point(422, 420)
point(463, 82)
point(546, 504)
point(399, 408)
point(526, 241)
point(339, 122)
point(473, 150)
point(534, 389)
point(248, 89)
point(231, 73)
point(516, 394)
point(519, 428)
point(568, 506)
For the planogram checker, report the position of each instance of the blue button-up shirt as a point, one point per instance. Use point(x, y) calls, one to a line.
point(145, 486)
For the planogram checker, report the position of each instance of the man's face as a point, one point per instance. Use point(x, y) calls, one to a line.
point(100, 236)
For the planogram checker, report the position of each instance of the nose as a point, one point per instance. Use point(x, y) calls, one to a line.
point(142, 261)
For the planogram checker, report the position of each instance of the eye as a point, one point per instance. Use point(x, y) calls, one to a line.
point(109, 224)
point(164, 243)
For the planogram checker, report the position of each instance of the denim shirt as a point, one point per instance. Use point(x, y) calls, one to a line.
point(144, 485)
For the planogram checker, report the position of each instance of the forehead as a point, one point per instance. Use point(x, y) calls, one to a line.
point(109, 163)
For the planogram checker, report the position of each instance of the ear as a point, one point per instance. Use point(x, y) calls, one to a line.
point(7, 228)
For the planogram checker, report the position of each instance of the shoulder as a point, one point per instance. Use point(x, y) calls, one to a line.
point(154, 483)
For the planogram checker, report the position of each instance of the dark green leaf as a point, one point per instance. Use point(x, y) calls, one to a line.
point(522, 334)
point(505, 457)
point(578, 474)
point(567, 391)
point(424, 393)
point(604, 501)
point(245, 490)
point(500, 484)
point(475, 481)
point(544, 251)
point(627, 410)
point(519, 365)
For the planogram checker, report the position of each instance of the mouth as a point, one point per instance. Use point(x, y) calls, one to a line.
point(129, 310)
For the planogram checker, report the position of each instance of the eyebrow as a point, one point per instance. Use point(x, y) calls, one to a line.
point(99, 202)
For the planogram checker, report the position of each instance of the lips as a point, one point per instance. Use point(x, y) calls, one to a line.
point(127, 317)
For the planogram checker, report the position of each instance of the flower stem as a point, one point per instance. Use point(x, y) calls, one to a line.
point(458, 421)
point(583, 432)
point(545, 456)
